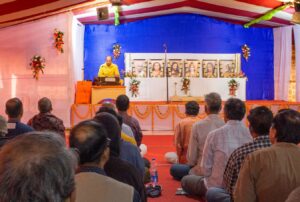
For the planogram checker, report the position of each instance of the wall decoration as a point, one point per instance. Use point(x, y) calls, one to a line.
point(227, 69)
point(134, 87)
point(37, 65)
point(210, 68)
point(233, 86)
point(185, 85)
point(191, 68)
point(175, 68)
point(59, 40)
point(116, 50)
point(246, 52)
point(140, 67)
point(156, 68)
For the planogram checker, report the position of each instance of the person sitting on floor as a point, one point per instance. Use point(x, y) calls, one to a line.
point(219, 145)
point(45, 120)
point(92, 183)
point(272, 173)
point(116, 167)
point(200, 130)
point(3, 131)
point(260, 120)
point(128, 151)
point(122, 106)
point(125, 128)
point(124, 136)
point(37, 167)
point(14, 111)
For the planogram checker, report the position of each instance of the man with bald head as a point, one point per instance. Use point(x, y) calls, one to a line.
point(45, 120)
point(108, 69)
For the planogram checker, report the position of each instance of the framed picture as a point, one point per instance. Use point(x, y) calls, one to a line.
point(191, 68)
point(227, 68)
point(156, 68)
point(175, 68)
point(210, 68)
point(140, 67)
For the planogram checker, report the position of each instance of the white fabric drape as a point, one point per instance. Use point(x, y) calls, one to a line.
point(282, 61)
point(297, 53)
point(18, 44)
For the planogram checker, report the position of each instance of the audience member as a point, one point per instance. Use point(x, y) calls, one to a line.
point(14, 111)
point(219, 145)
point(124, 136)
point(37, 167)
point(45, 120)
point(122, 106)
point(116, 167)
point(128, 151)
point(125, 128)
point(92, 184)
point(271, 174)
point(3, 131)
point(260, 120)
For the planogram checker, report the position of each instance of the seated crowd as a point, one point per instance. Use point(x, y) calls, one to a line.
point(220, 159)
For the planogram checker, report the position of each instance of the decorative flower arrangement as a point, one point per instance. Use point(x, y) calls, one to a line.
point(246, 51)
point(58, 40)
point(134, 84)
point(185, 85)
point(233, 85)
point(117, 50)
point(37, 65)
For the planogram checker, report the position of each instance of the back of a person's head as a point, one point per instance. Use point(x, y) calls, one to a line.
point(192, 108)
point(90, 139)
point(36, 167)
point(234, 109)
point(287, 126)
point(122, 103)
point(14, 108)
point(112, 112)
point(109, 104)
point(260, 120)
point(113, 129)
point(213, 103)
point(44, 105)
point(3, 126)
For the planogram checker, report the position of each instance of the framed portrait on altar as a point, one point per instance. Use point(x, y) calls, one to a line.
point(227, 68)
point(140, 67)
point(191, 68)
point(210, 68)
point(175, 68)
point(156, 68)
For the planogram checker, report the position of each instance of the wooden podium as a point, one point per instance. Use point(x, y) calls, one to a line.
point(103, 92)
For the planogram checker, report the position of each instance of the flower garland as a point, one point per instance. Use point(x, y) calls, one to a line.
point(134, 84)
point(185, 85)
point(233, 85)
point(37, 65)
point(58, 40)
point(160, 114)
point(141, 115)
point(117, 51)
point(246, 51)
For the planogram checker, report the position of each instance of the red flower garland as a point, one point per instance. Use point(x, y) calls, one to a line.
point(37, 65)
point(59, 40)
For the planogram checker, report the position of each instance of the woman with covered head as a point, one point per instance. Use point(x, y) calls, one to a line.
point(116, 167)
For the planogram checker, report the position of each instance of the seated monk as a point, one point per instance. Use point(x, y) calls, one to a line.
point(108, 69)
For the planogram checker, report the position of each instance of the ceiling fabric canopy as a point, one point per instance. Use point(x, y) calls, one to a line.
point(241, 11)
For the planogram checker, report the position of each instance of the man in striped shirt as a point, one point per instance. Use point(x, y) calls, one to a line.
point(260, 120)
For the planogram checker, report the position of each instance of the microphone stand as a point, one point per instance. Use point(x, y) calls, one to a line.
point(167, 72)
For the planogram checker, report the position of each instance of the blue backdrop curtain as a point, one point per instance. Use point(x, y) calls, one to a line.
point(186, 33)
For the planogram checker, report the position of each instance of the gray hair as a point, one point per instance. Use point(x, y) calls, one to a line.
point(213, 102)
point(36, 167)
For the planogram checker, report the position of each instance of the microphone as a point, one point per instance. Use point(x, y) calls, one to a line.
point(165, 46)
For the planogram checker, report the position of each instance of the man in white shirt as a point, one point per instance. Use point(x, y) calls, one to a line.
point(219, 145)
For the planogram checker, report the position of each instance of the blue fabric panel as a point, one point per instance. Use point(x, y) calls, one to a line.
point(186, 33)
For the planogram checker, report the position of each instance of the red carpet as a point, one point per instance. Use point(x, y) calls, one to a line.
point(158, 145)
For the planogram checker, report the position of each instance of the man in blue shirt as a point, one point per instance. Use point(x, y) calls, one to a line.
point(14, 111)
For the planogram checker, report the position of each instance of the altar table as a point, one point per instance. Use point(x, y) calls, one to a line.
point(106, 92)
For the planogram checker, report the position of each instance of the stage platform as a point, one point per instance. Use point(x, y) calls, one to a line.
point(161, 116)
